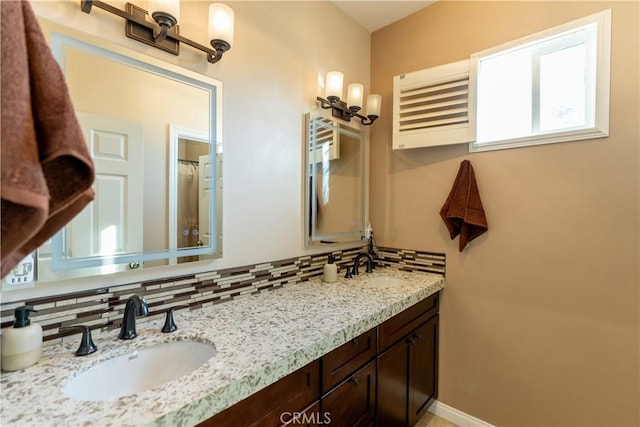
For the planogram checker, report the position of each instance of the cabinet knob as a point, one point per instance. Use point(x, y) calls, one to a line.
point(354, 381)
point(356, 341)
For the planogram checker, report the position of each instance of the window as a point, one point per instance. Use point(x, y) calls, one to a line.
point(549, 87)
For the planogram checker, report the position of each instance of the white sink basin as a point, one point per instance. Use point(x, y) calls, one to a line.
point(139, 370)
point(383, 282)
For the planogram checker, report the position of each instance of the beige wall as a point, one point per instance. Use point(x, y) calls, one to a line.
point(540, 316)
point(271, 76)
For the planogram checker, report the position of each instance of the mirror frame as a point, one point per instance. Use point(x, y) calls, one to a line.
point(60, 38)
point(312, 238)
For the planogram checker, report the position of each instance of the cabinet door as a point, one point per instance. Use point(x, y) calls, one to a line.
point(275, 404)
point(423, 368)
point(352, 403)
point(393, 386)
point(310, 417)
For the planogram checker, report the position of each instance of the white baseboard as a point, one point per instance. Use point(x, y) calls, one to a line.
point(455, 416)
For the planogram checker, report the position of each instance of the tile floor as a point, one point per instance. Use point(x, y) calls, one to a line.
point(430, 420)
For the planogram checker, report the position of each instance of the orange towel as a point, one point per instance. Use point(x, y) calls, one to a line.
point(46, 169)
point(462, 212)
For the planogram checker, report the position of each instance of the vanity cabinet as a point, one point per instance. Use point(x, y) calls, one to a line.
point(276, 404)
point(408, 364)
point(384, 377)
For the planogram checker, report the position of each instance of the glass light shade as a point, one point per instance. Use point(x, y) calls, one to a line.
point(172, 7)
point(355, 95)
point(221, 22)
point(374, 102)
point(333, 85)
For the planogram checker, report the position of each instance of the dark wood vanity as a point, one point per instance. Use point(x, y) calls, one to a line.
point(387, 376)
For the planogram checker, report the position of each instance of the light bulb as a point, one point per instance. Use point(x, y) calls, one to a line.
point(221, 22)
point(333, 85)
point(374, 102)
point(172, 7)
point(355, 95)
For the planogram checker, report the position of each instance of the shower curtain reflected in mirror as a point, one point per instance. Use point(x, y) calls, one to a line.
point(188, 232)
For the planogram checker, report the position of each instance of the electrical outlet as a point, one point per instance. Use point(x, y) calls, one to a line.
point(21, 276)
point(8, 286)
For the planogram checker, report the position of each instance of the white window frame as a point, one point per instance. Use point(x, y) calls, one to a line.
point(600, 127)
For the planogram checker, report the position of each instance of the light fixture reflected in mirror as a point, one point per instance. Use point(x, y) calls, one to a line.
point(355, 95)
point(162, 31)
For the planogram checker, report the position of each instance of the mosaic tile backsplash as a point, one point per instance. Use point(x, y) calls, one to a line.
point(103, 308)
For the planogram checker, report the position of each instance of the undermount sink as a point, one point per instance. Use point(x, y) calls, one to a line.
point(139, 370)
point(383, 282)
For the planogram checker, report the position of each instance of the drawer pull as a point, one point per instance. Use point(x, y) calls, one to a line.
point(354, 381)
point(356, 341)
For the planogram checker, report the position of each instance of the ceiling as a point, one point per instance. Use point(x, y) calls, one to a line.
point(374, 15)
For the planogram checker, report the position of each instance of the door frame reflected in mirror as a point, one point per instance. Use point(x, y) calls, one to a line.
point(177, 133)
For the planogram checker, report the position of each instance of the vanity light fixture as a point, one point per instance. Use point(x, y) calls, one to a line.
point(162, 31)
point(355, 93)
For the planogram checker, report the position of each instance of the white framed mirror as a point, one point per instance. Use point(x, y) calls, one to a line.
point(141, 118)
point(335, 156)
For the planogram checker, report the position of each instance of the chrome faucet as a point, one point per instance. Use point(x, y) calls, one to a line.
point(356, 262)
point(136, 306)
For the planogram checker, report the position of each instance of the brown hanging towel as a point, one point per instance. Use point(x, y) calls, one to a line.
point(47, 171)
point(463, 213)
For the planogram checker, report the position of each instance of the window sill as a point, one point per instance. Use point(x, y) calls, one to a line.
point(566, 136)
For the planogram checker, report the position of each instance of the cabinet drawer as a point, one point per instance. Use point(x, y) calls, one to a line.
point(401, 324)
point(341, 362)
point(352, 403)
point(291, 394)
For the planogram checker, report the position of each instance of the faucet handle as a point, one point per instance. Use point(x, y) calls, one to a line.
point(169, 324)
point(369, 266)
point(348, 274)
point(86, 342)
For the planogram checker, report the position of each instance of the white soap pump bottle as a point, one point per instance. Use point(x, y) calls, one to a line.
point(330, 272)
point(22, 344)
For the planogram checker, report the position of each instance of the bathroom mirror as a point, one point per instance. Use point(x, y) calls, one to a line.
point(335, 182)
point(153, 131)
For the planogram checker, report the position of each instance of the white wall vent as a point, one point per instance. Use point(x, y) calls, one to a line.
point(431, 107)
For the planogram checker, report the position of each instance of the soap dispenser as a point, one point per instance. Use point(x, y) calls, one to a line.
point(22, 344)
point(330, 273)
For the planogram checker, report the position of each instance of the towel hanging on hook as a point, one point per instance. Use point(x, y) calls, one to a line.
point(463, 213)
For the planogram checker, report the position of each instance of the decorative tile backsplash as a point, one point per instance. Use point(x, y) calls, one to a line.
point(103, 308)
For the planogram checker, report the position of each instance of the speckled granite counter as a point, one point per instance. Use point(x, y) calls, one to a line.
point(259, 339)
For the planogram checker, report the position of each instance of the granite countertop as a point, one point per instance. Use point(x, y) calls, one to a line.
point(258, 339)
